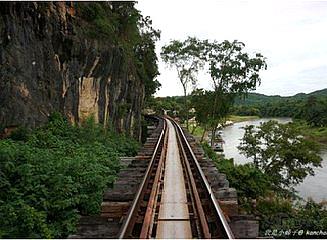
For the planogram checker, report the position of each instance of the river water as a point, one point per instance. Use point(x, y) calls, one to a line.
point(312, 186)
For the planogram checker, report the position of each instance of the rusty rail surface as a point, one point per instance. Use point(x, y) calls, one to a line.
point(205, 233)
point(203, 202)
point(127, 226)
point(227, 232)
point(150, 211)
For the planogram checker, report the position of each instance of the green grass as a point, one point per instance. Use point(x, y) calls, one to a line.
point(199, 130)
point(317, 134)
point(235, 118)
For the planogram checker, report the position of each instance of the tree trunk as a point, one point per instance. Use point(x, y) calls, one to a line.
point(186, 107)
point(213, 134)
point(204, 132)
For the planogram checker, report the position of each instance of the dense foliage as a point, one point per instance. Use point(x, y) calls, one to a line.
point(211, 108)
point(51, 175)
point(250, 182)
point(310, 107)
point(233, 73)
point(173, 105)
point(280, 151)
point(279, 216)
point(122, 26)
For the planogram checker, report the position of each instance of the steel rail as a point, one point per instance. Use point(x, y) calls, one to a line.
point(126, 227)
point(199, 208)
point(218, 210)
point(148, 218)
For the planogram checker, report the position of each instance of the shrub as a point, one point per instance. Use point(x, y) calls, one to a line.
point(279, 216)
point(272, 212)
point(101, 17)
point(57, 173)
point(300, 220)
point(209, 152)
point(249, 181)
point(20, 134)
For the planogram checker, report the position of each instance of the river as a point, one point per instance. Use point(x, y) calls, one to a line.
point(312, 186)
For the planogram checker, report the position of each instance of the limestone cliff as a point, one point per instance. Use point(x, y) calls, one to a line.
point(52, 60)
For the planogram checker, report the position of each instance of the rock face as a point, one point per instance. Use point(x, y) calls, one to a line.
point(48, 65)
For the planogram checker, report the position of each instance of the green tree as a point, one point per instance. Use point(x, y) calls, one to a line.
point(186, 56)
point(233, 73)
point(121, 25)
point(146, 56)
point(315, 112)
point(280, 151)
point(257, 195)
point(201, 100)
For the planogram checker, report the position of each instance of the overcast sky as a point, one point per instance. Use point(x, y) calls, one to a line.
point(292, 35)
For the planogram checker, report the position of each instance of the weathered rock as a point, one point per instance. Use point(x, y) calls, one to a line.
point(47, 64)
point(230, 208)
point(244, 226)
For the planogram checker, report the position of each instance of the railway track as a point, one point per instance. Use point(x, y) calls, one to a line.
point(174, 199)
point(169, 190)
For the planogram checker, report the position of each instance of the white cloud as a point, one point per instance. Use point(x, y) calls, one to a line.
point(289, 33)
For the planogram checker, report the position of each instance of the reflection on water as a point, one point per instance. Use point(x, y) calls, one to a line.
point(232, 135)
point(313, 186)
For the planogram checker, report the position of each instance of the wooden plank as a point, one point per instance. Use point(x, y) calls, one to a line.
point(114, 209)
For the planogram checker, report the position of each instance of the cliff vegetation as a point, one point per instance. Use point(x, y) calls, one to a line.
point(74, 77)
point(80, 59)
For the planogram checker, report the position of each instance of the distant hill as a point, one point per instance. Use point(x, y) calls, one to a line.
point(319, 93)
point(258, 98)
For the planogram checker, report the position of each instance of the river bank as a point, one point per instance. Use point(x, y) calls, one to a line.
point(236, 118)
point(198, 130)
point(311, 187)
point(316, 134)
